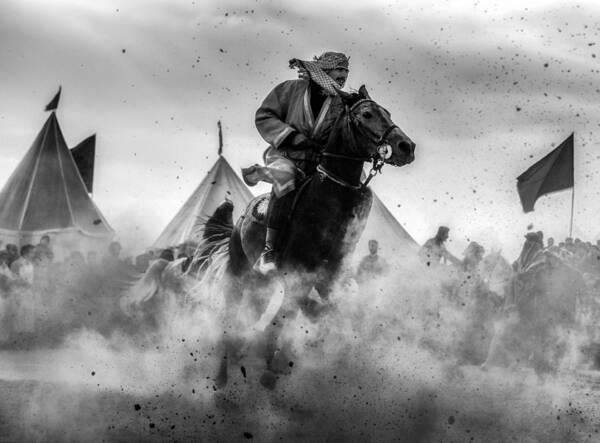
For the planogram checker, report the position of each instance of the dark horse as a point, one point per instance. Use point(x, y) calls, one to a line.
point(330, 211)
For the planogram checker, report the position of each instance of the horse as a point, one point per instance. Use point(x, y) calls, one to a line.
point(329, 214)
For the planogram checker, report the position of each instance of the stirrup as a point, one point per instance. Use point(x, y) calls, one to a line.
point(266, 262)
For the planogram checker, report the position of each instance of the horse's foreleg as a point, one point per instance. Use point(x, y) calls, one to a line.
point(277, 354)
point(228, 345)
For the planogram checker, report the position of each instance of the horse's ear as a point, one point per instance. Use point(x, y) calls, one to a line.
point(345, 96)
point(363, 92)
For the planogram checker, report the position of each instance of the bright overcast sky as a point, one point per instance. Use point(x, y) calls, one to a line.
point(484, 88)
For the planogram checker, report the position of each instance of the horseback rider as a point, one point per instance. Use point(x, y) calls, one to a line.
point(296, 119)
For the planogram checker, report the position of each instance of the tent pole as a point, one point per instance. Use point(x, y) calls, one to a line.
point(572, 190)
point(220, 138)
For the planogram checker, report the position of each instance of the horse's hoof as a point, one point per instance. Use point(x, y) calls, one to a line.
point(268, 380)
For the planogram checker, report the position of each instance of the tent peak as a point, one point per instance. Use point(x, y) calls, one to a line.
point(220, 138)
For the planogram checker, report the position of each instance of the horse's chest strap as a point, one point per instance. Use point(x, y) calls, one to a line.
point(324, 173)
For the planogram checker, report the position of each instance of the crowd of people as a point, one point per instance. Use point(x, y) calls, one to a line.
point(511, 313)
point(528, 313)
point(42, 298)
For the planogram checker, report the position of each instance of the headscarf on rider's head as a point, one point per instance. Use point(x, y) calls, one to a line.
point(532, 252)
point(317, 69)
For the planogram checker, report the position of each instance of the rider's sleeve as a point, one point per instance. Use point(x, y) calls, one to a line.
point(271, 116)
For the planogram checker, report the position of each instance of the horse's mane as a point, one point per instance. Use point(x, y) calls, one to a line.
point(352, 98)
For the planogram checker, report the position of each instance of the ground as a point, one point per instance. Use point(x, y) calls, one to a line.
point(86, 396)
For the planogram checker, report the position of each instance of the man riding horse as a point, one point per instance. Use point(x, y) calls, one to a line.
point(330, 207)
point(295, 119)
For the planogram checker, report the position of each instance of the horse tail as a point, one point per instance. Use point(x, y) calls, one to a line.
point(214, 247)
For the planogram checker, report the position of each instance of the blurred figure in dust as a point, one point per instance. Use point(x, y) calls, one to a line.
point(472, 257)
point(116, 277)
point(434, 252)
point(112, 260)
point(23, 266)
point(479, 305)
point(26, 303)
point(43, 251)
point(6, 276)
point(142, 261)
point(539, 310)
point(6, 312)
point(42, 260)
point(13, 253)
point(156, 293)
point(371, 265)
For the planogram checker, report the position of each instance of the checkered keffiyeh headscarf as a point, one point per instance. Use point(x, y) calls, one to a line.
point(316, 69)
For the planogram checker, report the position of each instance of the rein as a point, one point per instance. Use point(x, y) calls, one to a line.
point(376, 168)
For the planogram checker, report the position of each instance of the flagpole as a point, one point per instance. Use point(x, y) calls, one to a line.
point(572, 207)
point(573, 190)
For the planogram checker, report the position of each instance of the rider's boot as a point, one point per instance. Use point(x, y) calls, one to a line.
point(266, 262)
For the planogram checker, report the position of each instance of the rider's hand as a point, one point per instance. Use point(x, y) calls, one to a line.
point(301, 142)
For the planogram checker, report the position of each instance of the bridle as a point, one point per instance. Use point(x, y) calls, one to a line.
point(377, 159)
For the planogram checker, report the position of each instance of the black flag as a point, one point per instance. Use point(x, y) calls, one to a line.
point(552, 173)
point(54, 102)
point(84, 155)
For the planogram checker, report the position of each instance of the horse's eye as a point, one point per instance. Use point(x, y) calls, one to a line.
point(367, 114)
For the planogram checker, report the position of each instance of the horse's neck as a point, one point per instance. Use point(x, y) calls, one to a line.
point(342, 142)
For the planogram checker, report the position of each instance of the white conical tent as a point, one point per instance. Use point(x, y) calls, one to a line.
point(46, 195)
point(395, 244)
point(220, 183)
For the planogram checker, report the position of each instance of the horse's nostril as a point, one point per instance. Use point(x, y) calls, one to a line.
point(406, 148)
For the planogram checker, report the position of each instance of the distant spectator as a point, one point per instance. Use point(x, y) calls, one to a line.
point(13, 253)
point(434, 251)
point(531, 255)
point(23, 267)
point(371, 265)
point(5, 274)
point(43, 251)
point(112, 259)
point(473, 256)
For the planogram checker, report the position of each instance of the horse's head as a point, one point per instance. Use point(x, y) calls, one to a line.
point(374, 130)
